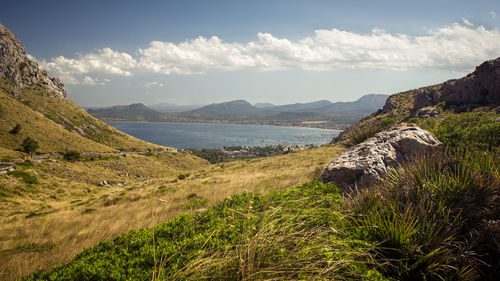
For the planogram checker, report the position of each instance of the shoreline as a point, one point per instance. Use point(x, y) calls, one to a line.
point(340, 127)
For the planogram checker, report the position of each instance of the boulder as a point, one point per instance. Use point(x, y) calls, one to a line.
point(366, 163)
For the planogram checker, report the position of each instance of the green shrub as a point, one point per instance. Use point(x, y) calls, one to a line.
point(388, 122)
point(15, 129)
point(357, 136)
point(29, 145)
point(475, 131)
point(24, 176)
point(25, 164)
point(414, 120)
point(429, 124)
point(71, 155)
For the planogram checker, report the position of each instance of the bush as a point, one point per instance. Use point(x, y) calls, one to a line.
point(429, 218)
point(388, 122)
point(357, 136)
point(29, 145)
point(72, 155)
point(475, 131)
point(16, 129)
point(414, 120)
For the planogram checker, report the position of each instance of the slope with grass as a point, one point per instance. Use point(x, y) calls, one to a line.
point(50, 135)
point(71, 208)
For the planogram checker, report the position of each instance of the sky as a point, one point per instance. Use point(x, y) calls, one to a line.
point(276, 51)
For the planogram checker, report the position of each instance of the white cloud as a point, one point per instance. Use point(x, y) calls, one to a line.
point(493, 14)
point(103, 62)
point(153, 84)
point(90, 81)
point(467, 22)
point(457, 47)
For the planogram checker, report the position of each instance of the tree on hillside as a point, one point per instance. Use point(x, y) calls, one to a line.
point(29, 145)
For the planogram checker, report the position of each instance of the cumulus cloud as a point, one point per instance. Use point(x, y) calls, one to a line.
point(456, 47)
point(104, 62)
point(153, 84)
point(90, 81)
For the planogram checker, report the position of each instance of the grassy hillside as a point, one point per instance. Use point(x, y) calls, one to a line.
point(39, 112)
point(66, 209)
point(50, 136)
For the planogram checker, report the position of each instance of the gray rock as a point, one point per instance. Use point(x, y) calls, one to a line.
point(427, 112)
point(366, 163)
point(17, 67)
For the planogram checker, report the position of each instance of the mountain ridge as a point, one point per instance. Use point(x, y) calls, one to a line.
point(477, 91)
point(322, 113)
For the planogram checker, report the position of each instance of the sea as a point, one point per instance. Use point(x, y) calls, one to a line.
point(210, 135)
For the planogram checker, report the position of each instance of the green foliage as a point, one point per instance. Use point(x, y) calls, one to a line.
point(24, 176)
point(297, 234)
point(25, 164)
point(388, 122)
point(475, 131)
point(428, 124)
point(213, 155)
point(414, 120)
point(357, 136)
point(71, 155)
point(29, 145)
point(15, 129)
point(428, 218)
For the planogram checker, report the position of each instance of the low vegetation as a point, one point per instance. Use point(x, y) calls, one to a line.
point(295, 234)
point(474, 131)
point(72, 208)
point(432, 220)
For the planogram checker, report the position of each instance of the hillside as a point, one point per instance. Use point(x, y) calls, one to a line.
point(479, 91)
point(37, 102)
point(135, 111)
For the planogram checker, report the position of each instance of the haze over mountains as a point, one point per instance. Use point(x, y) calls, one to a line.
point(321, 113)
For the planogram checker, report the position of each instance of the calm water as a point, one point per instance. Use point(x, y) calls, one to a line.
point(207, 135)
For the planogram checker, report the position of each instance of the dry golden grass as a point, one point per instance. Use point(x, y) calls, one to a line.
point(51, 137)
point(84, 214)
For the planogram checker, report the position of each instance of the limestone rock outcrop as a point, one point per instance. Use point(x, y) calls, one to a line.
point(366, 163)
point(16, 66)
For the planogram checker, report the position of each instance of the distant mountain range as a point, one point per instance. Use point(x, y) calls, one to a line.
point(169, 107)
point(321, 113)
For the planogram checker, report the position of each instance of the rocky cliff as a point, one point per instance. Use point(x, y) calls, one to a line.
point(17, 67)
point(480, 90)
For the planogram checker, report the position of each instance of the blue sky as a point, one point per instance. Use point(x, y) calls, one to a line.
point(198, 52)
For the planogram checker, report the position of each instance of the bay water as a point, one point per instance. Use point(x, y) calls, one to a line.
point(210, 135)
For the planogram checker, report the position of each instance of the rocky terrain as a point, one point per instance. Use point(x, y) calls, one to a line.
point(365, 164)
point(478, 91)
point(17, 67)
point(36, 104)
